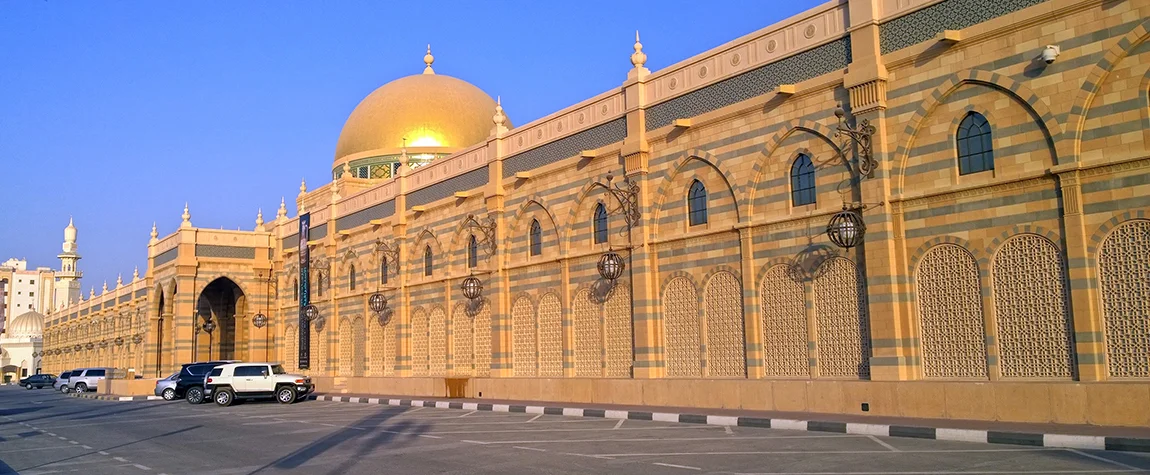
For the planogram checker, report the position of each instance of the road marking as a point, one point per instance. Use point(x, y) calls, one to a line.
point(102, 453)
point(688, 467)
point(474, 442)
point(141, 467)
point(619, 424)
point(430, 436)
point(884, 444)
point(61, 438)
point(792, 452)
point(38, 448)
point(728, 430)
point(469, 413)
point(120, 459)
point(574, 430)
point(1012, 472)
point(1103, 459)
point(86, 447)
point(528, 448)
point(675, 439)
point(533, 418)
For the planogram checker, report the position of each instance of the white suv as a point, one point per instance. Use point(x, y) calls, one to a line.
point(84, 380)
point(229, 382)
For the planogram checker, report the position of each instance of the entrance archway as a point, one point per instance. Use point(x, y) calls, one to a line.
point(220, 303)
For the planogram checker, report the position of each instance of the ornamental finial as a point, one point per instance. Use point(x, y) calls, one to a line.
point(638, 58)
point(186, 217)
point(428, 59)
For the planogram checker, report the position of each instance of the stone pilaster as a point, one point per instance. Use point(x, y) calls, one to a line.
point(1089, 341)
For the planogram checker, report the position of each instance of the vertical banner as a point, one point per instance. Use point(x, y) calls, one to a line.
point(304, 292)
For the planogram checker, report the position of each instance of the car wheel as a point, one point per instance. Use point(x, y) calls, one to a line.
point(286, 395)
point(64, 389)
point(169, 394)
point(194, 395)
point(28, 386)
point(81, 388)
point(224, 397)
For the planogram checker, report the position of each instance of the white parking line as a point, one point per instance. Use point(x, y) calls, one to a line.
point(533, 418)
point(141, 467)
point(528, 448)
point(468, 414)
point(818, 452)
point(688, 467)
point(1103, 459)
point(884, 444)
point(57, 447)
point(685, 428)
point(619, 424)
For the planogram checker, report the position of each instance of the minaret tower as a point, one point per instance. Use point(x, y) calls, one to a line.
point(68, 277)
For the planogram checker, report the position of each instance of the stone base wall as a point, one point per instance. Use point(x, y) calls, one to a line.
point(1103, 404)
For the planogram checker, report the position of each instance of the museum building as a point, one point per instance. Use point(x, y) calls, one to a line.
point(918, 208)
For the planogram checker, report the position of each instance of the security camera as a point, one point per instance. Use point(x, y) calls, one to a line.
point(1050, 53)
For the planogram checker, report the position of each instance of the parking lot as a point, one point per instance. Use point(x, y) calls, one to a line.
point(44, 432)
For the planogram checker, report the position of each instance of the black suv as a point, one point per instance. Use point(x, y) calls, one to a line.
point(190, 382)
point(38, 381)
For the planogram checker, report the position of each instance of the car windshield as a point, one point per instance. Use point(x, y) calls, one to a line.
point(65, 374)
point(277, 369)
point(174, 376)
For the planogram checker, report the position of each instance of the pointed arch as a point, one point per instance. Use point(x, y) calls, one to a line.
point(763, 170)
point(664, 191)
point(533, 207)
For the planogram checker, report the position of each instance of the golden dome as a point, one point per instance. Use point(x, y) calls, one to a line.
point(432, 112)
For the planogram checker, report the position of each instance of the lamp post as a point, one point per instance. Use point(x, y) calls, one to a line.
point(610, 265)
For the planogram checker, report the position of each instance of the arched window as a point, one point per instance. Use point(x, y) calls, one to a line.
point(600, 223)
point(351, 278)
point(295, 290)
point(383, 271)
point(472, 252)
point(802, 181)
point(536, 238)
point(697, 203)
point(975, 150)
point(427, 260)
point(319, 283)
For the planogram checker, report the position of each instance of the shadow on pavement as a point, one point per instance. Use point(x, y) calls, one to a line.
point(114, 447)
point(374, 435)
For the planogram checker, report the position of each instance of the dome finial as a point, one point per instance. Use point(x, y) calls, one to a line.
point(281, 214)
point(260, 220)
point(500, 119)
point(119, 280)
point(136, 274)
point(428, 59)
point(154, 234)
point(638, 58)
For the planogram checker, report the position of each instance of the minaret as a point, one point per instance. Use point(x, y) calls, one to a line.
point(68, 278)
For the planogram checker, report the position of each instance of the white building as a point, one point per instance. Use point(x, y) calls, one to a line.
point(41, 289)
point(20, 346)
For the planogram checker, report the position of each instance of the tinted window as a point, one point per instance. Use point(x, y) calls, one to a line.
point(277, 369)
point(250, 370)
point(200, 369)
point(216, 372)
point(65, 374)
point(95, 372)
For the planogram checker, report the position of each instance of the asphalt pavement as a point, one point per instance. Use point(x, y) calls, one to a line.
point(43, 432)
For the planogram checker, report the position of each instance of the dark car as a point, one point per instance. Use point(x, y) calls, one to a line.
point(190, 384)
point(38, 381)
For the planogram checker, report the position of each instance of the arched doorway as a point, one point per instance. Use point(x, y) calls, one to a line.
point(217, 308)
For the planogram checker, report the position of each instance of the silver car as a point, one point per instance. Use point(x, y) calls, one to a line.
point(167, 387)
point(61, 383)
point(87, 379)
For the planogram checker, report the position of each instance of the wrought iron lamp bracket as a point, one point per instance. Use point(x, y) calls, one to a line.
point(487, 228)
point(861, 135)
point(390, 251)
point(626, 193)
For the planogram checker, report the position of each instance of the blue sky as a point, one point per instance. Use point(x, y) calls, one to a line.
point(116, 113)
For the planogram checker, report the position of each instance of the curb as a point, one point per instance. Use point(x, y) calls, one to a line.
point(104, 397)
point(1064, 441)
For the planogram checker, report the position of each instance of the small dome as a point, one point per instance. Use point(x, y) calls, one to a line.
point(433, 112)
point(27, 325)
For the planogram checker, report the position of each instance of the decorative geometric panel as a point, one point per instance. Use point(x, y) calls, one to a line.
point(378, 358)
point(922, 25)
point(1030, 309)
point(782, 305)
point(681, 329)
point(437, 345)
point(843, 330)
point(164, 258)
point(317, 232)
point(482, 327)
point(550, 336)
point(291, 348)
point(390, 348)
point(419, 343)
point(598, 136)
point(225, 252)
point(726, 355)
point(950, 312)
point(319, 352)
point(617, 320)
point(461, 333)
point(829, 57)
point(364, 216)
point(359, 337)
point(467, 181)
point(588, 336)
point(346, 352)
point(1124, 269)
point(523, 334)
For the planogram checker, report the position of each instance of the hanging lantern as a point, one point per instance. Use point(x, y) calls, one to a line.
point(846, 228)
point(137, 338)
point(260, 320)
point(89, 345)
point(377, 302)
point(119, 341)
point(103, 343)
point(209, 326)
point(611, 266)
point(311, 312)
point(472, 288)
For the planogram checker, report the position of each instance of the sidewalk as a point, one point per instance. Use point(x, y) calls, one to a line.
point(1076, 436)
